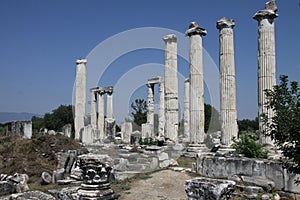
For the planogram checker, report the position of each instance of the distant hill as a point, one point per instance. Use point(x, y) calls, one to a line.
point(12, 116)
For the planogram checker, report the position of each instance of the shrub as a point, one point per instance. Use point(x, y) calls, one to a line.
point(248, 146)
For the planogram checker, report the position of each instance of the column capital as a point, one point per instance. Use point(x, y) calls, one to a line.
point(187, 80)
point(81, 61)
point(170, 38)
point(225, 23)
point(265, 14)
point(194, 29)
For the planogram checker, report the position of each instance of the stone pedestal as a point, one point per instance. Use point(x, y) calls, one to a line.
point(126, 129)
point(228, 113)
point(146, 130)
point(171, 88)
point(196, 83)
point(266, 62)
point(186, 109)
point(80, 96)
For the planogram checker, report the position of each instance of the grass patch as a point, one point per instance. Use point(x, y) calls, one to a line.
point(186, 162)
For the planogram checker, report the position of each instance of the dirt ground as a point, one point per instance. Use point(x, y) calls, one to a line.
point(163, 185)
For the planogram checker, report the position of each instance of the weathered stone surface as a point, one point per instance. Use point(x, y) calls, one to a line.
point(164, 164)
point(266, 184)
point(196, 83)
point(266, 65)
point(212, 189)
point(6, 188)
point(289, 182)
point(126, 129)
point(163, 156)
point(58, 175)
point(21, 128)
point(228, 113)
point(67, 129)
point(135, 138)
point(171, 88)
point(30, 195)
point(96, 175)
point(65, 193)
point(80, 96)
point(46, 178)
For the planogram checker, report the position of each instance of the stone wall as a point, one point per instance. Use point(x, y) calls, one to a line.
point(227, 168)
point(21, 128)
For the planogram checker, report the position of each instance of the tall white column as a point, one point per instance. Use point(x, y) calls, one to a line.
point(80, 96)
point(171, 88)
point(266, 62)
point(161, 109)
point(186, 108)
point(150, 106)
point(93, 113)
point(228, 113)
point(101, 113)
point(196, 83)
point(109, 104)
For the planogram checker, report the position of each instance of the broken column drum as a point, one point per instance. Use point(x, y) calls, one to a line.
point(80, 96)
point(266, 63)
point(196, 83)
point(171, 88)
point(96, 175)
point(228, 113)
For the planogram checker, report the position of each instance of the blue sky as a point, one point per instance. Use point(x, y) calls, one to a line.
point(41, 40)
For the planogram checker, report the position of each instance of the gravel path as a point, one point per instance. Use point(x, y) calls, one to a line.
point(163, 185)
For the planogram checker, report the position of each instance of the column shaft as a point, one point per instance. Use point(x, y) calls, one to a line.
point(101, 114)
point(109, 105)
point(150, 107)
point(80, 96)
point(93, 113)
point(186, 109)
point(196, 83)
point(161, 109)
point(266, 63)
point(171, 88)
point(228, 113)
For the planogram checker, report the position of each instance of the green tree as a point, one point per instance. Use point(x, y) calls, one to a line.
point(59, 117)
point(37, 124)
point(212, 122)
point(284, 126)
point(248, 125)
point(139, 114)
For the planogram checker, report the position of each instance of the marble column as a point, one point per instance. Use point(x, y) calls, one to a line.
point(171, 88)
point(266, 62)
point(109, 104)
point(161, 109)
point(196, 83)
point(100, 123)
point(150, 106)
point(186, 109)
point(93, 113)
point(80, 96)
point(228, 113)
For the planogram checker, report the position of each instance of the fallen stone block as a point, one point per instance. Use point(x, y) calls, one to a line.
point(266, 184)
point(207, 188)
